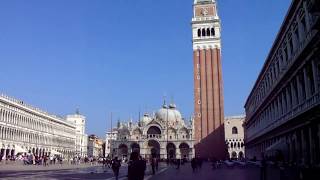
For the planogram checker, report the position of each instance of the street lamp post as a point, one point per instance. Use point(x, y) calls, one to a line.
point(167, 132)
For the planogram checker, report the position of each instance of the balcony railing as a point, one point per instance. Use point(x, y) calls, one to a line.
point(209, 18)
point(153, 136)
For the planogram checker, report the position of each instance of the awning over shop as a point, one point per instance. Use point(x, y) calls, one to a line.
point(19, 149)
point(54, 152)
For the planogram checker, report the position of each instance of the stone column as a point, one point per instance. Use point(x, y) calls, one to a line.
point(284, 102)
point(294, 41)
point(300, 32)
point(303, 144)
point(290, 148)
point(279, 109)
point(299, 90)
point(290, 50)
point(311, 145)
point(293, 96)
point(298, 145)
point(307, 16)
point(315, 78)
point(318, 138)
point(307, 83)
point(289, 107)
point(280, 63)
point(5, 154)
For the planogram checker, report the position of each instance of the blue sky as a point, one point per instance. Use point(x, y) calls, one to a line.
point(123, 56)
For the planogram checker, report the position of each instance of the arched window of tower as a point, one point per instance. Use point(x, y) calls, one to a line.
point(208, 32)
point(203, 32)
point(212, 32)
point(199, 33)
point(234, 130)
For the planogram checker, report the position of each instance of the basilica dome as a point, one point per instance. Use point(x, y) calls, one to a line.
point(169, 113)
point(145, 119)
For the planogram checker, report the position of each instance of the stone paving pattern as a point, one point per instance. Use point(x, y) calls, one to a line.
point(249, 172)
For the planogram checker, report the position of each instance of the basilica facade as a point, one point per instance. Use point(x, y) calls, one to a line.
point(164, 135)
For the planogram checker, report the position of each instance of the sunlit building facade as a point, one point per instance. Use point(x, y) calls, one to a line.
point(164, 135)
point(26, 129)
point(208, 85)
point(234, 136)
point(81, 142)
point(282, 110)
point(95, 146)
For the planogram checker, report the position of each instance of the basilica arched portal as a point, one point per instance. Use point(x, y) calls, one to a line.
point(153, 149)
point(135, 147)
point(184, 150)
point(123, 151)
point(171, 151)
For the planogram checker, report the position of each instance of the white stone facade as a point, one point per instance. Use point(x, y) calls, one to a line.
point(81, 137)
point(25, 129)
point(234, 136)
point(95, 146)
point(162, 135)
point(110, 137)
point(282, 110)
point(206, 26)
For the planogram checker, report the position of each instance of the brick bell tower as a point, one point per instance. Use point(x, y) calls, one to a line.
point(208, 88)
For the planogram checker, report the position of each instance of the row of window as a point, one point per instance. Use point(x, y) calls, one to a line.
point(234, 130)
point(296, 92)
point(186, 136)
point(281, 59)
point(22, 136)
point(206, 32)
point(235, 145)
point(298, 142)
point(32, 123)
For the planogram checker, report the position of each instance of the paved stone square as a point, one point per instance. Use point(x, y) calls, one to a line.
point(249, 172)
point(66, 171)
point(237, 172)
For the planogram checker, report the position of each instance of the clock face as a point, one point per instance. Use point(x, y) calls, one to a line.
point(204, 11)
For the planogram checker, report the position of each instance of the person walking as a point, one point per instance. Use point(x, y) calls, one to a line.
point(51, 160)
point(178, 163)
point(200, 163)
point(153, 165)
point(116, 167)
point(104, 162)
point(193, 164)
point(45, 160)
point(157, 164)
point(263, 169)
point(136, 167)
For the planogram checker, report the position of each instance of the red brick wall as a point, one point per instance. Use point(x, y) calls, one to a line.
point(209, 133)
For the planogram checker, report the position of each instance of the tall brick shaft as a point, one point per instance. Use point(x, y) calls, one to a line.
point(208, 92)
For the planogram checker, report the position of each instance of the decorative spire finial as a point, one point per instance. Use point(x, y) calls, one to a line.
point(164, 102)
